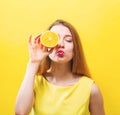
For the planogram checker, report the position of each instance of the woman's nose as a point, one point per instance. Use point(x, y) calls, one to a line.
point(61, 43)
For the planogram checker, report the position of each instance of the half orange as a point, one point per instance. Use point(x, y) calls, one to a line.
point(49, 39)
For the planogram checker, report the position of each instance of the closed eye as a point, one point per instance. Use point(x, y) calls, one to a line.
point(68, 38)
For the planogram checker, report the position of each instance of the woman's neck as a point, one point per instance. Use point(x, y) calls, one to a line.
point(60, 68)
point(60, 74)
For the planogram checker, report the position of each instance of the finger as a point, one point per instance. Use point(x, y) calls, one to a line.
point(29, 39)
point(41, 46)
point(36, 39)
point(38, 36)
point(44, 49)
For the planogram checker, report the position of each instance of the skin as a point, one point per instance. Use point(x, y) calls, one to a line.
point(64, 77)
point(62, 63)
point(96, 101)
point(65, 44)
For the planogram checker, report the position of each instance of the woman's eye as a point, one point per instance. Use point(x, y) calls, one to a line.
point(68, 40)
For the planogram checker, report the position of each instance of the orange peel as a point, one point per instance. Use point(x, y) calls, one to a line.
point(49, 39)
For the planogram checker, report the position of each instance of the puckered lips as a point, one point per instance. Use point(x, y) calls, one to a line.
point(60, 53)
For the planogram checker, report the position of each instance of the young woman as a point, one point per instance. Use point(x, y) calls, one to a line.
point(57, 81)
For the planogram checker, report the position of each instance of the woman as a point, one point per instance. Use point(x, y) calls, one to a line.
point(57, 81)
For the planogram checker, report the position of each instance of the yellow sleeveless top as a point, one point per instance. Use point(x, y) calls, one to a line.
point(60, 100)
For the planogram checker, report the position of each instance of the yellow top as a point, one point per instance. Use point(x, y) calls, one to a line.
point(60, 100)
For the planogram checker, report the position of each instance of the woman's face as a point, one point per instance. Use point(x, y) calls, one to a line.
point(63, 52)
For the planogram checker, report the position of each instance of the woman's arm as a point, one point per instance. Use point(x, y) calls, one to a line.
point(25, 98)
point(96, 101)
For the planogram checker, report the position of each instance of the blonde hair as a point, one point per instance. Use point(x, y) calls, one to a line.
point(78, 63)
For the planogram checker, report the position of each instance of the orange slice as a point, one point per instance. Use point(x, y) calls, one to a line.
point(49, 39)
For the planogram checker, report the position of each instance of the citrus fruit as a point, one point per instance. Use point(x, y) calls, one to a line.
point(49, 39)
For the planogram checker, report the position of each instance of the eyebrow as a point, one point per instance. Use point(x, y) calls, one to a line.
point(68, 35)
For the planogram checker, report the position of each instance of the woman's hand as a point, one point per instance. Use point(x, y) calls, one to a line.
point(36, 50)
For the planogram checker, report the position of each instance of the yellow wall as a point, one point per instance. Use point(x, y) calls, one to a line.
point(98, 23)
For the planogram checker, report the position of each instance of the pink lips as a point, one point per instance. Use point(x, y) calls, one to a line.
point(60, 53)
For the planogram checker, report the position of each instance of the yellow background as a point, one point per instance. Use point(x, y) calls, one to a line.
point(98, 23)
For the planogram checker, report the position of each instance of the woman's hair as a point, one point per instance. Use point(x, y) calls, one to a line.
point(78, 63)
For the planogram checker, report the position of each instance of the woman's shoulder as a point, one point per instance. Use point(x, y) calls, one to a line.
point(96, 100)
point(95, 92)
